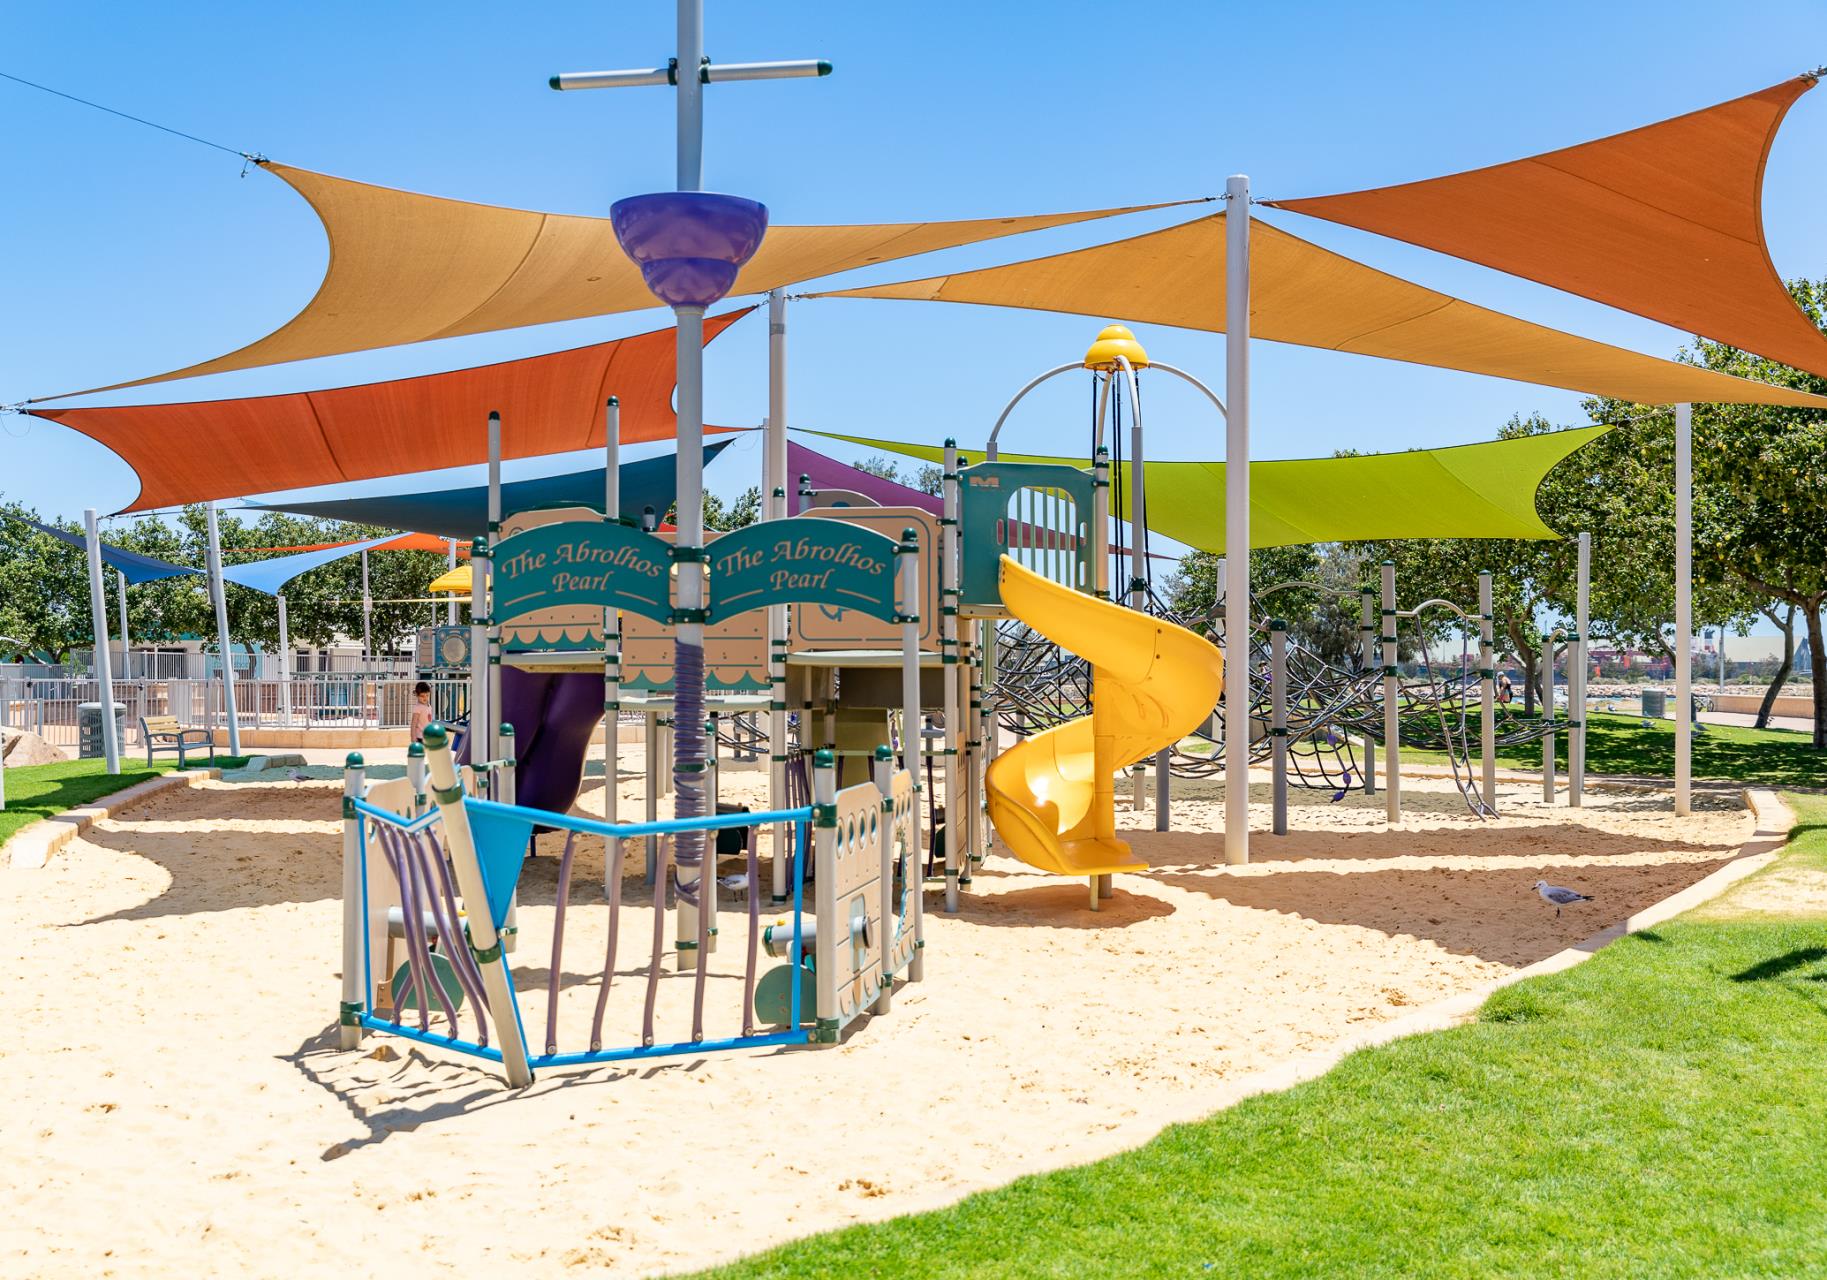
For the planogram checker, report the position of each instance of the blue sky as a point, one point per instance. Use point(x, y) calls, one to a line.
point(128, 252)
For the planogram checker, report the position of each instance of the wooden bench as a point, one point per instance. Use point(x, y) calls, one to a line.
point(163, 733)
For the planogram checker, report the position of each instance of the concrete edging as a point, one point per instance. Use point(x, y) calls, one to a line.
point(1774, 820)
point(33, 846)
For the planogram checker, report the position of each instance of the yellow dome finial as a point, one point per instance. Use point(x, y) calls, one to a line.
point(1113, 341)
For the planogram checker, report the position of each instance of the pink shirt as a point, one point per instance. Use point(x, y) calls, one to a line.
point(421, 717)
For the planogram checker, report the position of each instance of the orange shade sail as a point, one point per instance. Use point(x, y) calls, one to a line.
point(195, 451)
point(1665, 222)
point(406, 267)
point(405, 542)
point(1301, 293)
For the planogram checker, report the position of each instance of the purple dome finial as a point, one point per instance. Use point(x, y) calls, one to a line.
point(689, 244)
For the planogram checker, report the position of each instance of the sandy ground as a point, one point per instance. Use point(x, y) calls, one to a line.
point(175, 1103)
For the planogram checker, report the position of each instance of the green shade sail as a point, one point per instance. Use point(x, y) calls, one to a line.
point(1466, 491)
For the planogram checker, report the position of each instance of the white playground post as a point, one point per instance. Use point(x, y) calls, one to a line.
point(1576, 677)
point(911, 741)
point(612, 647)
point(949, 670)
point(1278, 720)
point(104, 672)
point(484, 941)
point(450, 605)
point(1367, 636)
point(1487, 688)
point(882, 774)
point(1547, 665)
point(220, 596)
point(120, 588)
point(774, 487)
point(285, 663)
point(355, 787)
point(824, 844)
point(1237, 521)
point(491, 728)
point(367, 615)
point(1392, 710)
point(1684, 608)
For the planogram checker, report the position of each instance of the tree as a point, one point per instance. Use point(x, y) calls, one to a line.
point(1325, 622)
point(1760, 488)
point(928, 479)
point(44, 589)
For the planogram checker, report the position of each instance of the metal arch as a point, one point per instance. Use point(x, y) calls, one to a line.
point(1181, 373)
point(989, 449)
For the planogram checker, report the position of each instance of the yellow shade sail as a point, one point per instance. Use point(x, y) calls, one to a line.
point(1312, 297)
point(1468, 491)
point(407, 268)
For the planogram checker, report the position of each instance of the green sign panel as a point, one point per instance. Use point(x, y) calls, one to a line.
point(802, 561)
point(582, 562)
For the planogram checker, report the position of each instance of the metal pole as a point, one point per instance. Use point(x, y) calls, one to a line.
point(1576, 677)
point(490, 736)
point(774, 484)
point(120, 585)
point(1487, 688)
point(1392, 706)
point(285, 664)
point(1367, 636)
point(911, 740)
point(1237, 522)
point(688, 720)
point(1278, 719)
point(690, 99)
point(220, 596)
point(355, 787)
point(612, 650)
point(367, 615)
point(949, 673)
point(1547, 665)
point(1684, 607)
point(450, 605)
point(104, 672)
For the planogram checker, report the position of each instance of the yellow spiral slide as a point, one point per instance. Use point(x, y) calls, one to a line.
point(1053, 796)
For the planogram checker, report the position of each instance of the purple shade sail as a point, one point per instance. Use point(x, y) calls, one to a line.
point(689, 244)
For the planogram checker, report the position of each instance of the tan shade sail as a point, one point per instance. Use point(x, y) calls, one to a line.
point(1664, 221)
point(409, 268)
point(1468, 491)
point(192, 452)
point(1301, 293)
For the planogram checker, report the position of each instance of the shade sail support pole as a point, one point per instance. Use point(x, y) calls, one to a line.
point(450, 606)
point(98, 619)
point(1684, 608)
point(1577, 668)
point(285, 663)
point(120, 588)
point(1237, 523)
point(612, 651)
point(491, 735)
point(774, 484)
point(220, 595)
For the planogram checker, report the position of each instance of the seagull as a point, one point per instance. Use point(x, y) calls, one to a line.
point(1646, 722)
point(299, 775)
point(1560, 897)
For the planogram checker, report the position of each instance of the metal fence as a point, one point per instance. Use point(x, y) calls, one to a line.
point(47, 705)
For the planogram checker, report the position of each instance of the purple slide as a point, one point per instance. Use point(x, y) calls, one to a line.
point(555, 717)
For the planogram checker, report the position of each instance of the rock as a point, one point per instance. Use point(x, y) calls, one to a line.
point(20, 747)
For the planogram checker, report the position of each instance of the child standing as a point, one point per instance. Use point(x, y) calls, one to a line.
point(421, 710)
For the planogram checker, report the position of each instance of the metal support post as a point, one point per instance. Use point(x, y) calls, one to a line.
point(220, 596)
point(1577, 664)
point(1392, 702)
point(1237, 522)
point(104, 671)
point(1487, 689)
point(1278, 719)
point(1684, 609)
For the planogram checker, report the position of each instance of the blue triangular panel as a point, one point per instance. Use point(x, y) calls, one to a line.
point(501, 847)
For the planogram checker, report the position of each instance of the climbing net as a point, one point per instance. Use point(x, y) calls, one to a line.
point(1335, 712)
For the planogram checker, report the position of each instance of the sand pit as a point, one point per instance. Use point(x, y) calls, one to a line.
point(176, 1105)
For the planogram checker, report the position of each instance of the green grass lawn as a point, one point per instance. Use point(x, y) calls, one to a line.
point(37, 791)
point(1656, 1111)
point(1619, 744)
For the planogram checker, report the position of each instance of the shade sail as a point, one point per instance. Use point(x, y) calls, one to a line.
point(829, 473)
point(1665, 221)
point(1303, 294)
point(270, 576)
point(191, 452)
point(131, 565)
point(1468, 491)
point(406, 267)
point(401, 542)
point(463, 512)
